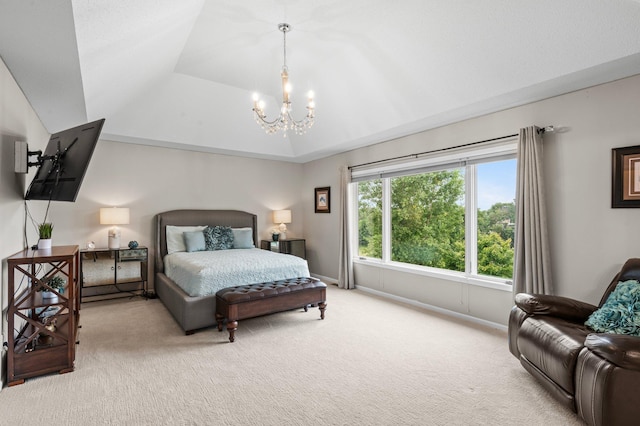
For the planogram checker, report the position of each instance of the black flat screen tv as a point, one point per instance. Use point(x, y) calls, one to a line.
point(64, 163)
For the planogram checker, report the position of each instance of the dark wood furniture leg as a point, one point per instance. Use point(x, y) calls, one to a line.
point(219, 320)
point(232, 326)
point(322, 306)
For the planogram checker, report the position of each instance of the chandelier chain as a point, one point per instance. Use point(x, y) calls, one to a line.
point(284, 36)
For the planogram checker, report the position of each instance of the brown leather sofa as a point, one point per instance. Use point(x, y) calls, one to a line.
point(595, 375)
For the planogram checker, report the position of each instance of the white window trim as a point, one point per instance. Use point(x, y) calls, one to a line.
point(446, 160)
point(461, 277)
point(468, 158)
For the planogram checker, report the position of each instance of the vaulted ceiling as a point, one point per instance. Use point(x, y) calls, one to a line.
point(182, 73)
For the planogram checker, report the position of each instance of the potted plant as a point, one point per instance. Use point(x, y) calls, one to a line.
point(57, 283)
point(44, 232)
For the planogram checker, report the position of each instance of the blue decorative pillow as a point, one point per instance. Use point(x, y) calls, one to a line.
point(218, 237)
point(194, 241)
point(620, 314)
point(242, 238)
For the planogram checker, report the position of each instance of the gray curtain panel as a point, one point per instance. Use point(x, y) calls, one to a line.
point(532, 264)
point(345, 267)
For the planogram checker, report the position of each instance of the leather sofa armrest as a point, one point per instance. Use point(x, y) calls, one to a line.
point(557, 306)
point(619, 349)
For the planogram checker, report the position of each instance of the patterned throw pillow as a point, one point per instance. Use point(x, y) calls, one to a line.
point(620, 314)
point(218, 237)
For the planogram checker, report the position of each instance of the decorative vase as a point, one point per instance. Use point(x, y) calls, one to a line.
point(275, 237)
point(44, 244)
point(49, 296)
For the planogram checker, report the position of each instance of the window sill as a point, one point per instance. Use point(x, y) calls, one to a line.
point(481, 281)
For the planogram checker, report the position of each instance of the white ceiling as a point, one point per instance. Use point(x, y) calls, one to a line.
point(181, 73)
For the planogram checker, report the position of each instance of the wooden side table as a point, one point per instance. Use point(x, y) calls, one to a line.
point(42, 324)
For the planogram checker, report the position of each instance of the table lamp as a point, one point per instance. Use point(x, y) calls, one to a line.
point(282, 217)
point(114, 216)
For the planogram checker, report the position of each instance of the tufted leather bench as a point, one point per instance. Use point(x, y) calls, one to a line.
point(253, 300)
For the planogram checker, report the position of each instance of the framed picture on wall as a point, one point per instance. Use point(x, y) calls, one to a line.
point(323, 199)
point(625, 188)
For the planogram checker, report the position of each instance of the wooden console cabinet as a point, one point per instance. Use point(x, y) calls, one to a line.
point(42, 330)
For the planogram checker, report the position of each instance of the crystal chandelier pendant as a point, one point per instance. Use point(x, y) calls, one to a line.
point(285, 121)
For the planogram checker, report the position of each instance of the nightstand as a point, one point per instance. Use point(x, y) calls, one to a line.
point(111, 273)
point(294, 246)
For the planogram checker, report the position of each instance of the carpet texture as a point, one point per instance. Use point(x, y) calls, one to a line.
point(370, 362)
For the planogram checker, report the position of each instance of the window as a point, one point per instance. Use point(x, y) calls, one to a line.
point(496, 217)
point(455, 214)
point(427, 219)
point(370, 218)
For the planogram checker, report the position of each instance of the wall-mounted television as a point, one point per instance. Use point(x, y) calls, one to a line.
point(64, 163)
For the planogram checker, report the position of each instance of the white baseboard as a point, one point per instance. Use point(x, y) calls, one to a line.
point(433, 308)
point(326, 280)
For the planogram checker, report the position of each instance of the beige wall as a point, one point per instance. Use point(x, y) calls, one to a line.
point(589, 240)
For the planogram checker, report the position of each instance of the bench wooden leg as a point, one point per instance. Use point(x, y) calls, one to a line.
point(322, 306)
point(232, 326)
point(220, 320)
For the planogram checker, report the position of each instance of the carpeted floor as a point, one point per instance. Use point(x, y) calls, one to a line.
point(370, 362)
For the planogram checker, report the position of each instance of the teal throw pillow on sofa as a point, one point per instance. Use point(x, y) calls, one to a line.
point(218, 237)
point(620, 314)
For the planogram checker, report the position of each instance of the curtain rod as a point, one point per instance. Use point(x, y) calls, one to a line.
point(416, 155)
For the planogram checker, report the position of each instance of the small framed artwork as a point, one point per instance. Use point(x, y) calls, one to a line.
point(625, 188)
point(323, 199)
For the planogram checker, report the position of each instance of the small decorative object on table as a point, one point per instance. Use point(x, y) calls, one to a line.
point(45, 339)
point(133, 244)
point(275, 236)
point(44, 232)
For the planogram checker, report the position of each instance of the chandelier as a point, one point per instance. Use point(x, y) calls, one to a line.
point(285, 121)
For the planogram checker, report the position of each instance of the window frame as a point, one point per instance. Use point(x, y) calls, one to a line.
point(467, 158)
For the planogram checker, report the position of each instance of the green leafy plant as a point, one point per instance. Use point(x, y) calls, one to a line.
point(45, 230)
point(57, 283)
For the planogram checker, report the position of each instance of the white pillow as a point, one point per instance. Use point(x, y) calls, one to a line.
point(175, 239)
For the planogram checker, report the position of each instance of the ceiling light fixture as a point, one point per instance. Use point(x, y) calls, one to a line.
point(285, 121)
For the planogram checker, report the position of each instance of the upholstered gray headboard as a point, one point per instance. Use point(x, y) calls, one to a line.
point(232, 218)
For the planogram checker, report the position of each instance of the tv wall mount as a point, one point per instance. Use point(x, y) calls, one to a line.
point(23, 155)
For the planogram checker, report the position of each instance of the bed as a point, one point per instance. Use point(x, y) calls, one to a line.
point(193, 304)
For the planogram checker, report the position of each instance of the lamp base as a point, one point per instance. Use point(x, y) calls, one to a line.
point(114, 242)
point(114, 238)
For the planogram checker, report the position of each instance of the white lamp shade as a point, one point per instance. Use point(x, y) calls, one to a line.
point(282, 216)
point(114, 216)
